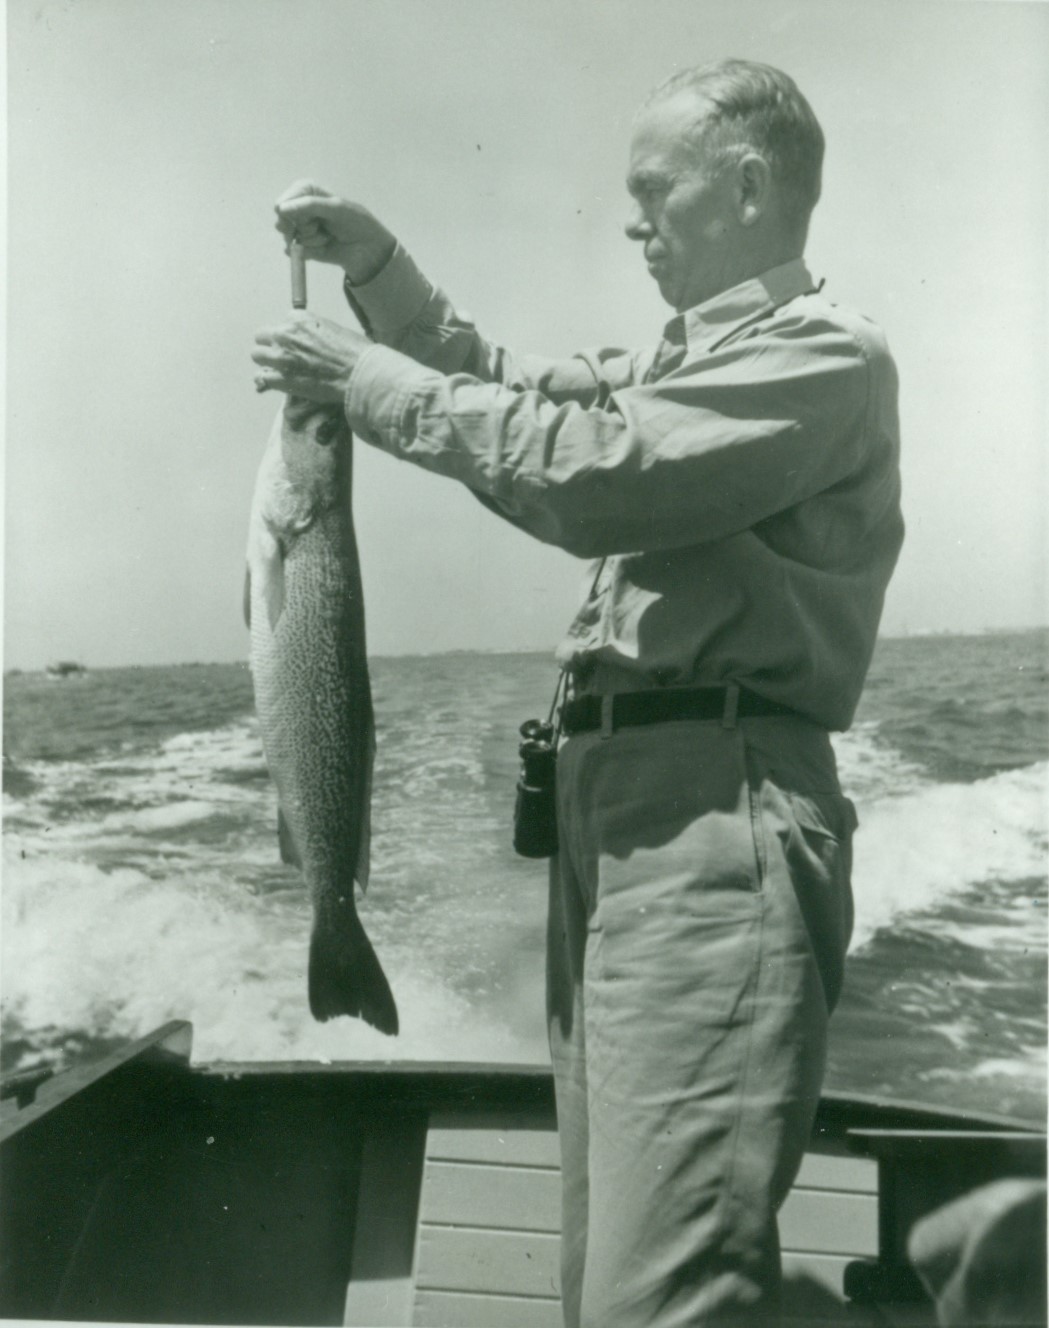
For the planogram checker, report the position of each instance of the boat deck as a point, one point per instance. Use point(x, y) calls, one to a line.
point(147, 1189)
point(484, 1248)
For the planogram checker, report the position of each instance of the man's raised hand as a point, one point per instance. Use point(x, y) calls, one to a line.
point(334, 230)
point(308, 357)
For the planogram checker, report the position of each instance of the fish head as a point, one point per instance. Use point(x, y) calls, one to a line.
point(314, 444)
point(305, 470)
point(315, 450)
point(320, 422)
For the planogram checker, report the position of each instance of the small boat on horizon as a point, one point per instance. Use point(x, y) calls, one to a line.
point(65, 668)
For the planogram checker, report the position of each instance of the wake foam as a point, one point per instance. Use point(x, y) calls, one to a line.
point(114, 953)
point(916, 848)
point(145, 887)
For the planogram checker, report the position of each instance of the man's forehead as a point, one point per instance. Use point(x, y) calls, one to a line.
point(664, 131)
point(679, 108)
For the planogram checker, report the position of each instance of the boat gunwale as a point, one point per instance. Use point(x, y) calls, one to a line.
point(441, 1085)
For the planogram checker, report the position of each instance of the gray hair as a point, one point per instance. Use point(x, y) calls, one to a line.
point(755, 107)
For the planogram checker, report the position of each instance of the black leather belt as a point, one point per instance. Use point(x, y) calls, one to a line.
point(584, 713)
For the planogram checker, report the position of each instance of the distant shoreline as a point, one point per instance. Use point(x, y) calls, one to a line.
point(916, 634)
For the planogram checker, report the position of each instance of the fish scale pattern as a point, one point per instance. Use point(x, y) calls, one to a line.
point(314, 704)
point(313, 695)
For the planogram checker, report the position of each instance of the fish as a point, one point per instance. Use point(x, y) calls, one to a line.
point(304, 606)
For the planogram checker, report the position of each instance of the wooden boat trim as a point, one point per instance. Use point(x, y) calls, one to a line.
point(443, 1085)
point(371, 1175)
point(168, 1045)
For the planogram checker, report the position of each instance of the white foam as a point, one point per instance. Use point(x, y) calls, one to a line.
point(1014, 1067)
point(115, 953)
point(170, 816)
point(103, 804)
point(913, 850)
point(870, 770)
point(1028, 1066)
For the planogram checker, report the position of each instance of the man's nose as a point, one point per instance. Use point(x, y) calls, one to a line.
point(638, 226)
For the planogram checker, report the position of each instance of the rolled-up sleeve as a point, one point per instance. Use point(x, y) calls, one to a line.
point(400, 308)
point(726, 440)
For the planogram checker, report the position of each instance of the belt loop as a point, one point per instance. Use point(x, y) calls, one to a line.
point(606, 714)
point(728, 715)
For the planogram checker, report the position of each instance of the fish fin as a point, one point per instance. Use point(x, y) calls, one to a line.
point(289, 852)
point(275, 587)
point(345, 976)
point(266, 561)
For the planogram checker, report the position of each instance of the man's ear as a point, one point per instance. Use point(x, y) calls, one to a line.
point(754, 185)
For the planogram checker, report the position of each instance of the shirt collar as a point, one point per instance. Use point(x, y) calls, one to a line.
point(706, 324)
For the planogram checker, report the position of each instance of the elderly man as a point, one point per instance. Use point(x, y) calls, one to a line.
point(738, 485)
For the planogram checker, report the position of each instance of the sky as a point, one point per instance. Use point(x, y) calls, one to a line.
point(147, 142)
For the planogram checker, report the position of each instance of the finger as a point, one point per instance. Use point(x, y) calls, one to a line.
point(309, 232)
point(300, 188)
point(273, 359)
point(268, 380)
point(289, 334)
point(316, 208)
point(314, 241)
point(296, 387)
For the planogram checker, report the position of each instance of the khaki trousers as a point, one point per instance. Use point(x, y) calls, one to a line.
point(700, 909)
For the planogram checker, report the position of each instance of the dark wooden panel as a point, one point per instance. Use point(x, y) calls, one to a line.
point(921, 1169)
point(81, 1085)
point(178, 1240)
point(58, 1151)
point(383, 1086)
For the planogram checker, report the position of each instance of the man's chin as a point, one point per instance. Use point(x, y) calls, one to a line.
point(667, 288)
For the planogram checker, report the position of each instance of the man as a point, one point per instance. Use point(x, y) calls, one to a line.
point(739, 486)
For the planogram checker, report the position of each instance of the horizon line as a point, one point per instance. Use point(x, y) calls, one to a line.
point(918, 633)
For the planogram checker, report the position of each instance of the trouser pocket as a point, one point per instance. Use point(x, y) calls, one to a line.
point(811, 834)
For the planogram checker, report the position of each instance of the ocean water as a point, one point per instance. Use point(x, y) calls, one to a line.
point(142, 883)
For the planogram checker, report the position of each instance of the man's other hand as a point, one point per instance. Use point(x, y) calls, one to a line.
point(334, 230)
point(308, 357)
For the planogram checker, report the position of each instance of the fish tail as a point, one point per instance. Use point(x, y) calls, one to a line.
point(345, 976)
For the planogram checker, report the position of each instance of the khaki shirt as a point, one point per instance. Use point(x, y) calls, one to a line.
point(738, 485)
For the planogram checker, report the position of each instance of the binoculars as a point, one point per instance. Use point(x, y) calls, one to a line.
point(535, 810)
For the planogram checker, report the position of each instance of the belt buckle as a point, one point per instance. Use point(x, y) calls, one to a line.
point(731, 710)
